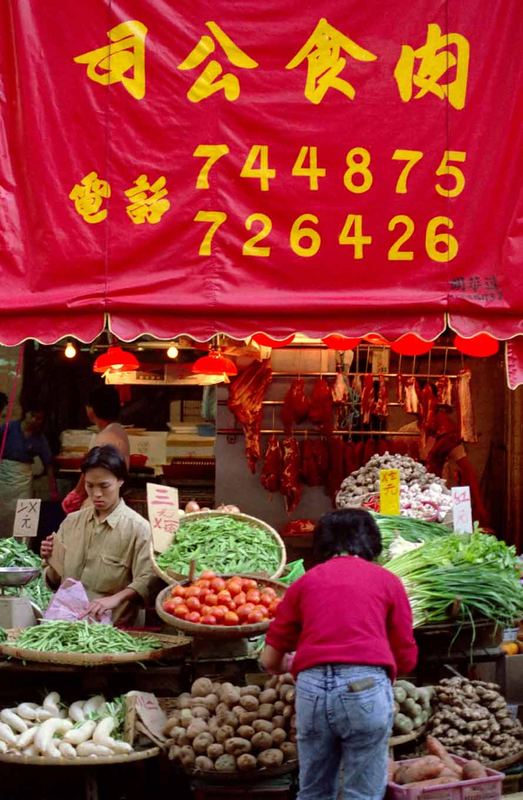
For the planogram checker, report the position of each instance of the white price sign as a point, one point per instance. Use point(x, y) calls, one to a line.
point(27, 515)
point(162, 508)
point(461, 509)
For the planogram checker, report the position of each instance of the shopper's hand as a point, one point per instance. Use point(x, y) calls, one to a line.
point(46, 547)
point(72, 502)
point(97, 608)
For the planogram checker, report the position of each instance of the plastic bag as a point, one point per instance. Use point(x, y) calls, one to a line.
point(70, 602)
point(293, 571)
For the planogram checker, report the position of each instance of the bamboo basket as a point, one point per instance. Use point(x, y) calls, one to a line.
point(172, 644)
point(91, 761)
point(197, 629)
point(169, 576)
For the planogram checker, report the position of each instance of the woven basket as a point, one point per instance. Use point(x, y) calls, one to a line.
point(170, 576)
point(171, 645)
point(197, 629)
point(79, 761)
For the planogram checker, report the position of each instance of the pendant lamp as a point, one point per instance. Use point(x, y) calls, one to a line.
point(214, 364)
point(117, 360)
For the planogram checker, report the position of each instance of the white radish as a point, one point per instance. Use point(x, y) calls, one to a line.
point(92, 749)
point(3, 747)
point(26, 738)
point(120, 747)
point(27, 710)
point(81, 734)
point(48, 729)
point(93, 704)
point(76, 711)
point(52, 750)
point(52, 703)
point(30, 751)
point(103, 731)
point(67, 750)
point(12, 719)
point(42, 714)
point(7, 735)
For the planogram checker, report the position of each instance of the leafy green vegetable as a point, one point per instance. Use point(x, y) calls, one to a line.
point(223, 544)
point(83, 637)
point(3, 636)
point(14, 553)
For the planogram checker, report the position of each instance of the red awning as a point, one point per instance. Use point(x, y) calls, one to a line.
point(242, 167)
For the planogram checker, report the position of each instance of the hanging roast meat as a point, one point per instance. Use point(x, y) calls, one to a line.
point(444, 390)
point(295, 406)
point(336, 466)
point(246, 395)
point(290, 486)
point(314, 462)
point(465, 410)
point(380, 408)
point(272, 466)
point(427, 409)
point(321, 408)
point(411, 394)
point(367, 399)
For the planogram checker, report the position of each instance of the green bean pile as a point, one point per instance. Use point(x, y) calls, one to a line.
point(83, 637)
point(222, 544)
point(16, 554)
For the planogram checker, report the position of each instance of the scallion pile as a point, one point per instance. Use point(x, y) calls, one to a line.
point(478, 570)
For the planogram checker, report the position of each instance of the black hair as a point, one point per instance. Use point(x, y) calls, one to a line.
point(4, 400)
point(350, 531)
point(105, 402)
point(107, 457)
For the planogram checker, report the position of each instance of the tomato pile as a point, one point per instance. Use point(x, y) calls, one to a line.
point(211, 600)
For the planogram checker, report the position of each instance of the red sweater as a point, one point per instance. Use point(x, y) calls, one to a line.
point(347, 611)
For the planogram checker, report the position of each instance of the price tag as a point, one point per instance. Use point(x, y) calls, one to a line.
point(146, 709)
point(162, 508)
point(27, 515)
point(461, 509)
point(390, 491)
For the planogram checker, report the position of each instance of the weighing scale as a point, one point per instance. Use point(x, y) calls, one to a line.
point(17, 611)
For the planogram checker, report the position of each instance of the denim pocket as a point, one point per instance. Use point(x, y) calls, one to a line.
point(369, 712)
point(306, 706)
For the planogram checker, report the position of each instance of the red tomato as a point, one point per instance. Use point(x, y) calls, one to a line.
point(274, 605)
point(193, 591)
point(263, 610)
point(208, 619)
point(192, 616)
point(254, 617)
point(231, 618)
point(249, 583)
point(218, 584)
point(210, 599)
point(244, 610)
point(234, 585)
point(181, 610)
point(224, 597)
point(203, 584)
point(253, 596)
point(170, 605)
point(193, 604)
point(268, 590)
point(178, 591)
point(205, 610)
point(208, 575)
point(219, 613)
point(239, 599)
point(266, 599)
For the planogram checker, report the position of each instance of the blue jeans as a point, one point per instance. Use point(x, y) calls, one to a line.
point(338, 728)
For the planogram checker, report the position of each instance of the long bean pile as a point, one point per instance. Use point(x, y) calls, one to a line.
point(16, 554)
point(83, 637)
point(223, 544)
point(478, 570)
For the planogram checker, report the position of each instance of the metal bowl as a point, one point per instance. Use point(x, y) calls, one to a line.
point(17, 576)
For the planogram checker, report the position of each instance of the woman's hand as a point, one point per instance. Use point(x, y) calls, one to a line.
point(46, 547)
point(97, 608)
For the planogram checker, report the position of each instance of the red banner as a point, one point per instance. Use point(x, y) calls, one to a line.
point(217, 166)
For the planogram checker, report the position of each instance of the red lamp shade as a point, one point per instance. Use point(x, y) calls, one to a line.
point(480, 346)
point(267, 341)
point(337, 342)
point(411, 345)
point(214, 364)
point(117, 360)
point(376, 339)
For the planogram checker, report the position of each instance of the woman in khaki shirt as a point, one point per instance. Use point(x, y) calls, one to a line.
point(105, 545)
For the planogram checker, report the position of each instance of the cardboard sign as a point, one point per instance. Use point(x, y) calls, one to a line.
point(461, 509)
point(26, 517)
point(143, 714)
point(162, 509)
point(390, 491)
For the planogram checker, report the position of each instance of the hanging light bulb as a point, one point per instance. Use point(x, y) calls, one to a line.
point(172, 351)
point(70, 350)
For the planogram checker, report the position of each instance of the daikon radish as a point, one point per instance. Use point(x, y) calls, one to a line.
point(67, 750)
point(76, 711)
point(48, 730)
point(27, 710)
point(81, 734)
point(26, 738)
point(7, 735)
point(11, 718)
point(52, 703)
point(92, 749)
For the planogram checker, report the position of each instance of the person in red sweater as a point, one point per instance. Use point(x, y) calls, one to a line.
point(350, 624)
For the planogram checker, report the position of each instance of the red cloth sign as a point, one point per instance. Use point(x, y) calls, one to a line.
point(279, 166)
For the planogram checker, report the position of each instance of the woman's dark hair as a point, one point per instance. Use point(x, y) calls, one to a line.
point(107, 457)
point(349, 530)
point(4, 401)
point(105, 402)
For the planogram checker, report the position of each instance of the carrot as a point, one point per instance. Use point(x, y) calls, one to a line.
point(435, 747)
point(419, 769)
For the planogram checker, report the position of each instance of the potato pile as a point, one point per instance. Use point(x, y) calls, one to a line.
point(412, 707)
point(227, 728)
point(472, 720)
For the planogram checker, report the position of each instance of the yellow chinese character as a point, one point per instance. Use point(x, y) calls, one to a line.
point(88, 197)
point(322, 51)
point(206, 84)
point(114, 60)
point(436, 58)
point(147, 204)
